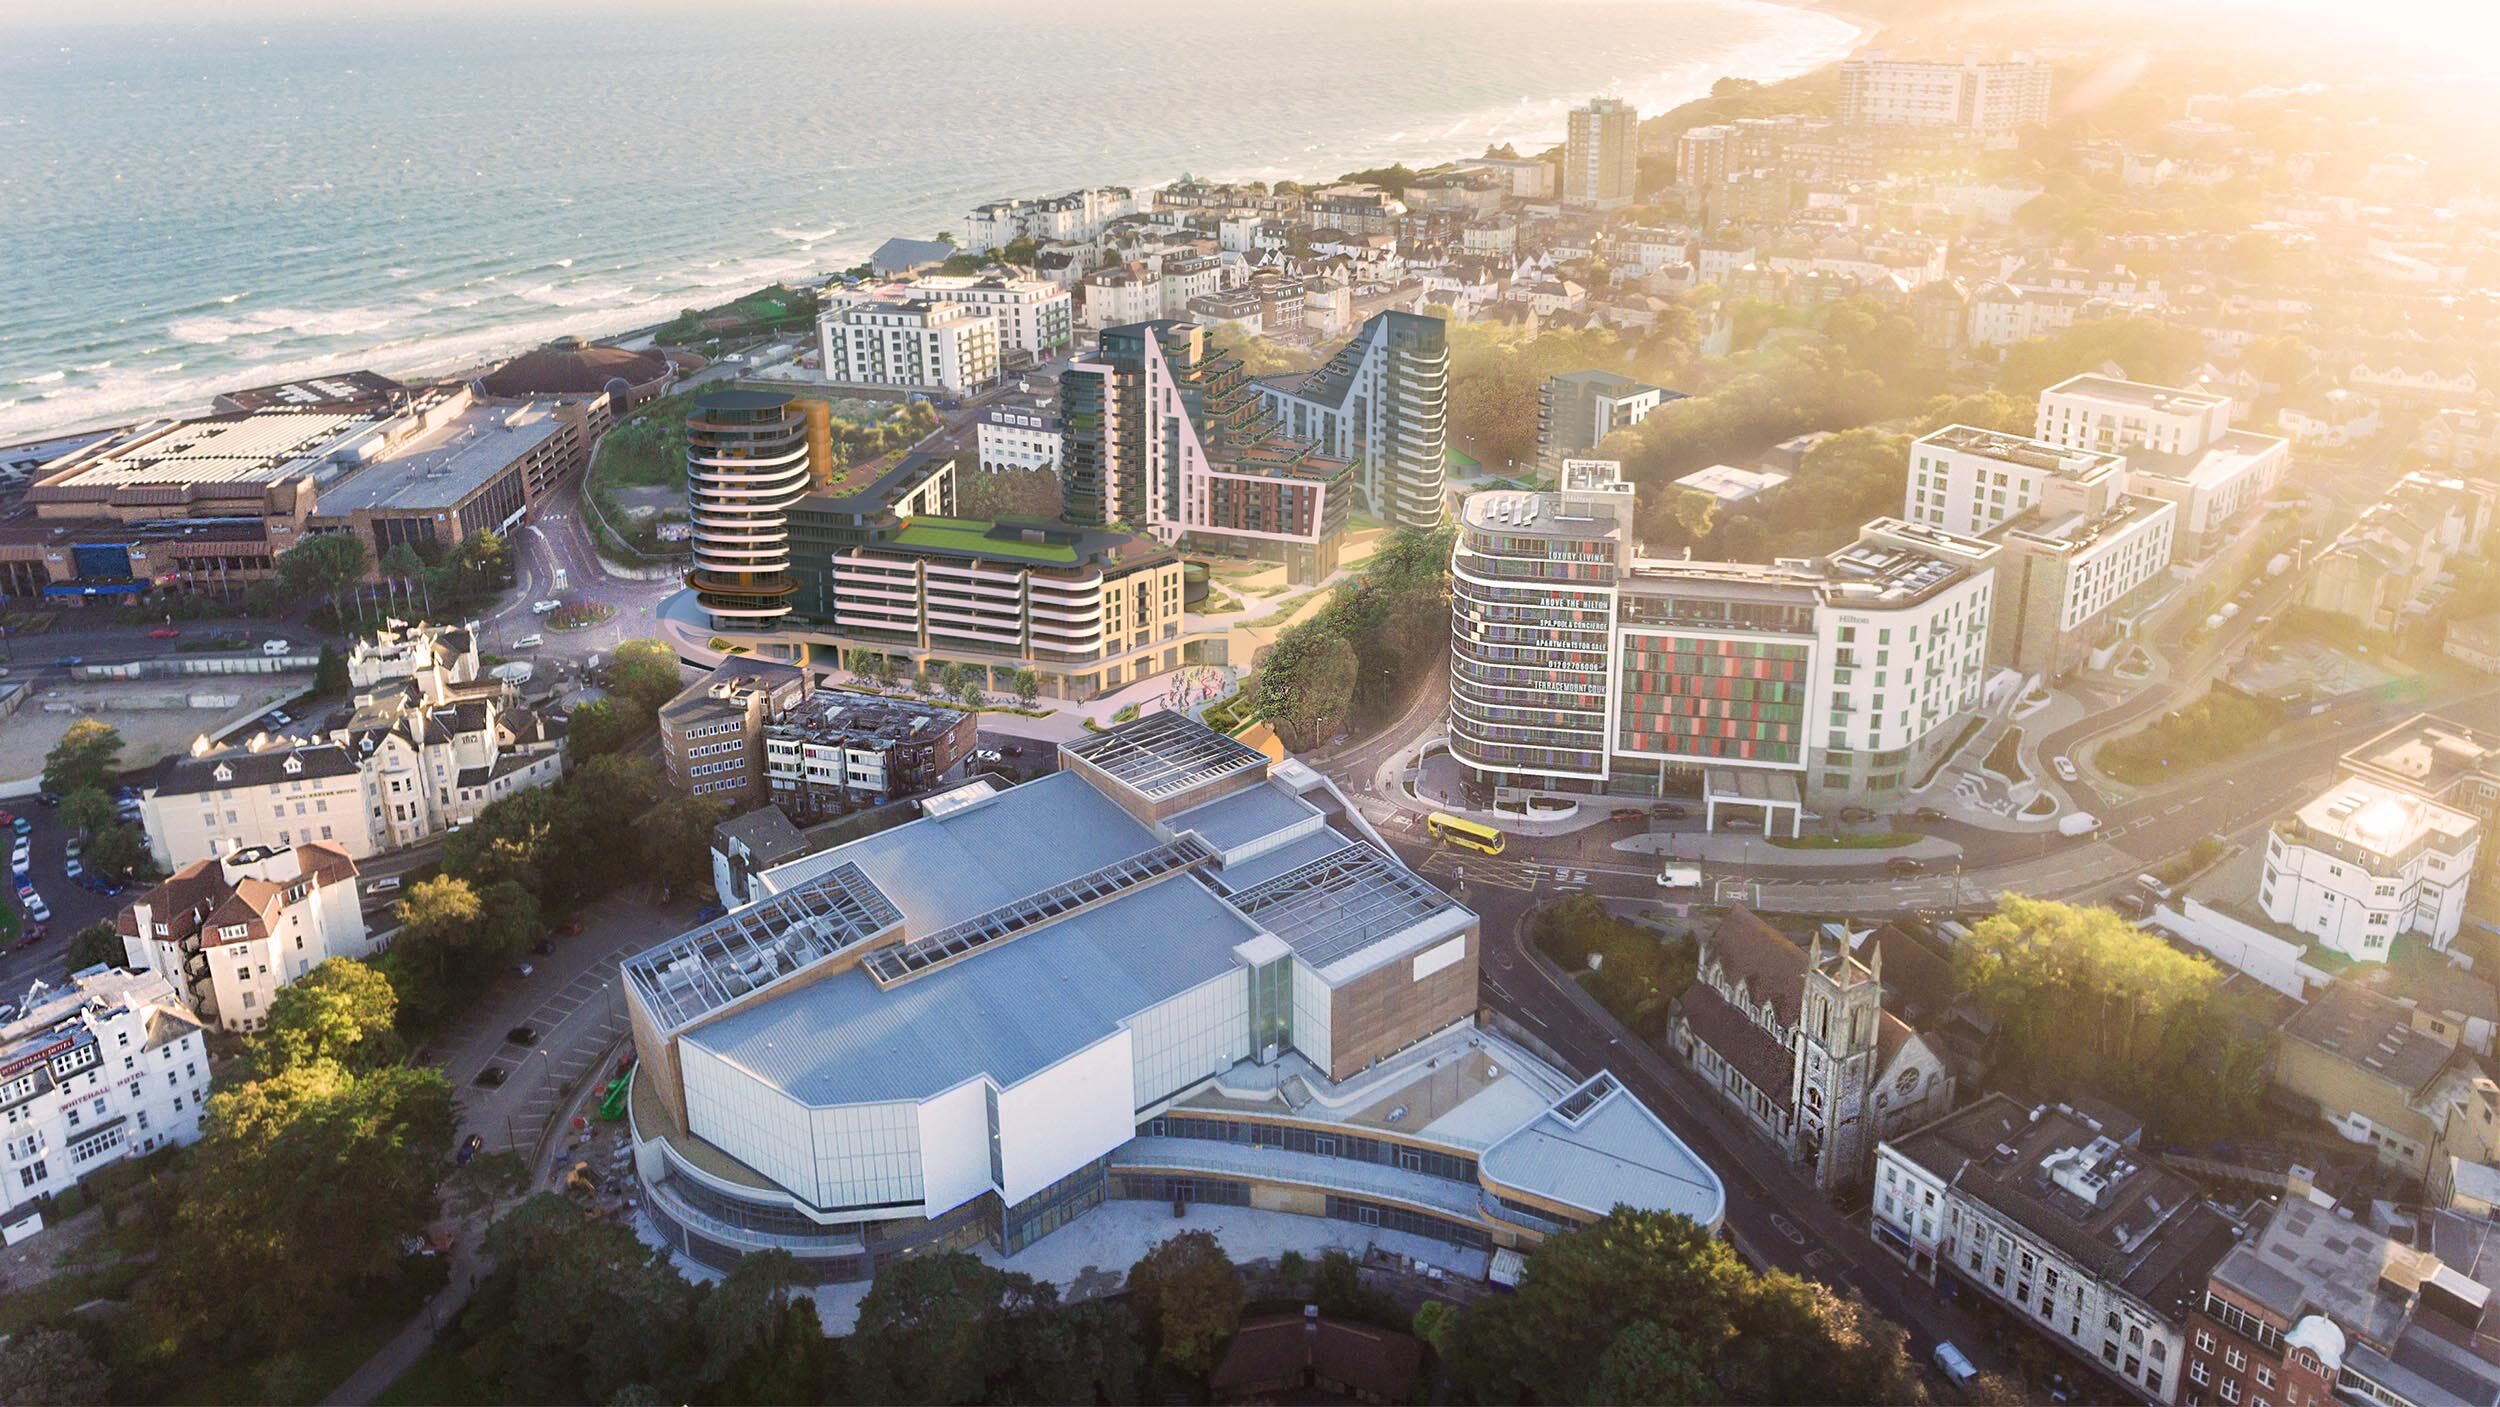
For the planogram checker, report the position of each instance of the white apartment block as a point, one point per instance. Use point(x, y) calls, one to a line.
point(2077, 547)
point(1580, 666)
point(1079, 214)
point(1981, 97)
point(909, 342)
point(1184, 279)
point(110, 1067)
point(2179, 446)
point(1118, 296)
point(1035, 317)
point(1018, 434)
point(2059, 1219)
point(229, 932)
point(2365, 863)
point(413, 759)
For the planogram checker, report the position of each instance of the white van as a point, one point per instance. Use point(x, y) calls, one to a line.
point(529, 642)
point(1954, 1363)
point(1680, 877)
point(276, 647)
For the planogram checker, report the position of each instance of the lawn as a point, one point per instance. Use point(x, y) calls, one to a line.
point(1882, 840)
point(2213, 729)
point(438, 1378)
point(972, 535)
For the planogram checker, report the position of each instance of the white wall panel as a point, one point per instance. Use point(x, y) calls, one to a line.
point(955, 1147)
point(1192, 1036)
point(1067, 1116)
point(1310, 1016)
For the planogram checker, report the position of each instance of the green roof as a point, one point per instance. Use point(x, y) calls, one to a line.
point(970, 535)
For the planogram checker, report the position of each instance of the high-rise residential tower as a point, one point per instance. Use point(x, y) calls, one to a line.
point(1601, 155)
point(1383, 403)
point(749, 457)
point(1160, 430)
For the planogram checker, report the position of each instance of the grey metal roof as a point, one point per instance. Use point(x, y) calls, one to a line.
point(1247, 815)
point(941, 870)
point(1007, 1014)
point(1598, 1146)
point(1248, 874)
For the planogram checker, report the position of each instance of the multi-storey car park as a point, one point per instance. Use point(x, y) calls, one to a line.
point(1173, 970)
point(1579, 666)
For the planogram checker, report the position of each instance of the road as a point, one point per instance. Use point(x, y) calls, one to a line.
point(1774, 1216)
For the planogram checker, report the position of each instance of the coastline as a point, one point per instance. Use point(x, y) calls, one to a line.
point(487, 345)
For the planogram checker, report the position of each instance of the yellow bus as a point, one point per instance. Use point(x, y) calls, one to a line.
point(1450, 830)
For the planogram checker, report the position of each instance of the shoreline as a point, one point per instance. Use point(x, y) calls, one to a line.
point(1422, 155)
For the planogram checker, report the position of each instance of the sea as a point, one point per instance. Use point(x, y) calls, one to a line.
point(200, 197)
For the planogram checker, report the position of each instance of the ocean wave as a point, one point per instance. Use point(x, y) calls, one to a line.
point(91, 367)
point(810, 236)
point(43, 378)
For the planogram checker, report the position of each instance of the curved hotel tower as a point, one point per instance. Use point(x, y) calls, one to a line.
point(748, 462)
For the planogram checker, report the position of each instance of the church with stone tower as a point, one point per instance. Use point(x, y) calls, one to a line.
point(1799, 1041)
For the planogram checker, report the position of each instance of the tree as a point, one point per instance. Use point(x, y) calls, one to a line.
point(483, 1184)
point(579, 1309)
point(87, 756)
point(1189, 1297)
point(1305, 685)
point(1027, 686)
point(968, 691)
point(1645, 1368)
point(597, 728)
point(42, 1367)
point(2084, 994)
point(645, 671)
point(97, 943)
point(88, 810)
point(117, 848)
point(677, 840)
point(343, 1011)
point(519, 838)
point(453, 936)
point(931, 1328)
point(330, 674)
point(303, 1186)
point(1582, 1289)
point(324, 565)
point(761, 1344)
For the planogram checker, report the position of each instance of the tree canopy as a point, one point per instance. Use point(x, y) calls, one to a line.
point(1187, 1293)
point(85, 758)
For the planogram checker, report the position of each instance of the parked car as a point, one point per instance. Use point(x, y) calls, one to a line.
point(1667, 811)
point(529, 642)
point(468, 1149)
point(1904, 865)
point(522, 1035)
point(70, 661)
point(492, 1076)
point(540, 608)
point(708, 913)
point(22, 826)
point(1927, 813)
point(1013, 749)
point(277, 647)
point(163, 632)
point(75, 846)
point(1627, 813)
point(48, 798)
point(72, 868)
point(2066, 770)
point(37, 909)
point(383, 885)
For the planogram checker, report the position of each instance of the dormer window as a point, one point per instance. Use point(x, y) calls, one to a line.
point(293, 765)
point(224, 773)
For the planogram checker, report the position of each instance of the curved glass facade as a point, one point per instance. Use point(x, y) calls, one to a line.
point(1531, 645)
point(747, 466)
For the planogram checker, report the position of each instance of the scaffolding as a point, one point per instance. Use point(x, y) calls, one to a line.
point(1341, 903)
point(695, 974)
point(1165, 753)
